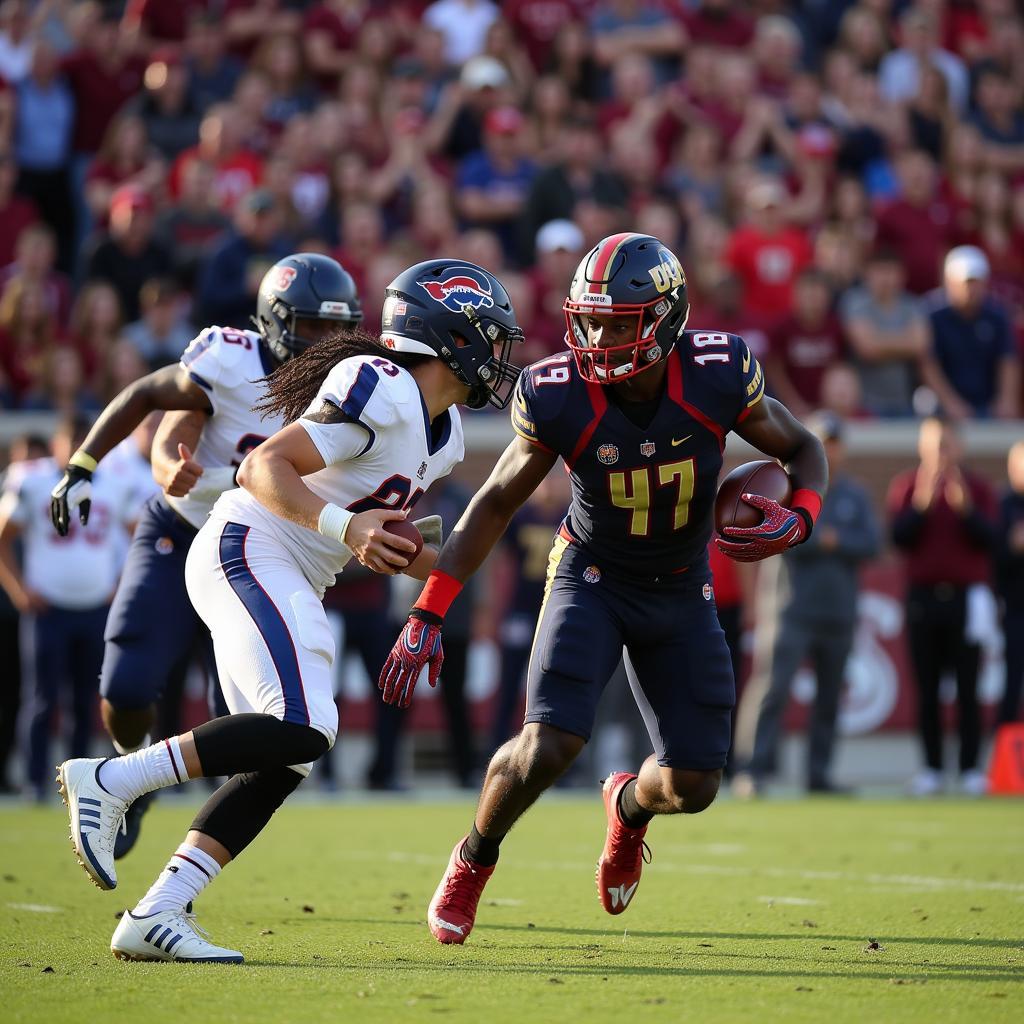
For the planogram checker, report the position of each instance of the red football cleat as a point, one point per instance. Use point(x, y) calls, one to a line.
point(452, 910)
point(624, 853)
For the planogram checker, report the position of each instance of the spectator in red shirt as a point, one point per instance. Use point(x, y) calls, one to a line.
point(125, 158)
point(16, 212)
point(161, 21)
point(28, 332)
point(920, 225)
point(537, 23)
point(722, 309)
point(803, 345)
point(716, 23)
point(943, 519)
point(237, 169)
point(766, 252)
point(103, 74)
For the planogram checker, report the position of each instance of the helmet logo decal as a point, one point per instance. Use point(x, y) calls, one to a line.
point(668, 273)
point(462, 288)
point(283, 277)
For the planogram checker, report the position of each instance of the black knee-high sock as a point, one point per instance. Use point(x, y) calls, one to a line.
point(482, 850)
point(631, 813)
point(252, 742)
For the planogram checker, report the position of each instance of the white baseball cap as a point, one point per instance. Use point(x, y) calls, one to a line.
point(483, 72)
point(966, 263)
point(559, 234)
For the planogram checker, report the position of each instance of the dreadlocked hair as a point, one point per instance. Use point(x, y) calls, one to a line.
point(295, 383)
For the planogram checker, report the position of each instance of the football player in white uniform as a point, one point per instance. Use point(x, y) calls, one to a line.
point(152, 631)
point(373, 425)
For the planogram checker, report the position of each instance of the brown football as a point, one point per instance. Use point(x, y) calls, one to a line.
point(403, 528)
point(764, 477)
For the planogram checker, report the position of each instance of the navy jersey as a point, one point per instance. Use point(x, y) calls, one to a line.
point(528, 539)
point(642, 497)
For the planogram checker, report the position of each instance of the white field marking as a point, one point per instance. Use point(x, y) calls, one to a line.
point(929, 883)
point(36, 908)
point(789, 901)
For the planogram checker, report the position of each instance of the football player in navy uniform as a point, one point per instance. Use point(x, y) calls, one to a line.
point(638, 409)
point(152, 627)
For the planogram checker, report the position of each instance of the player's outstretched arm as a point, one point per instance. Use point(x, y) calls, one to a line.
point(772, 428)
point(516, 476)
point(167, 388)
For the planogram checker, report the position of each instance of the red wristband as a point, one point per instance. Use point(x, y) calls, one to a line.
point(438, 594)
point(807, 500)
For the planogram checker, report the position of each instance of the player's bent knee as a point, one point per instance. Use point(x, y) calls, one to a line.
point(545, 752)
point(241, 808)
point(690, 792)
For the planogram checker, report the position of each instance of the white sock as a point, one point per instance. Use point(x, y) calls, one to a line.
point(146, 740)
point(153, 767)
point(188, 873)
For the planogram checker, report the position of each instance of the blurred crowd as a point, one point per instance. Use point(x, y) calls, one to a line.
point(812, 162)
point(843, 181)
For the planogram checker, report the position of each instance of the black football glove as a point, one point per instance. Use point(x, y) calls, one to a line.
point(73, 491)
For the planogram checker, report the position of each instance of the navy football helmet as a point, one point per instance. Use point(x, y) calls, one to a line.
point(626, 275)
point(461, 314)
point(301, 288)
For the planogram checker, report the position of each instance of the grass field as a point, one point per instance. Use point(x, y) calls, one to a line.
point(762, 912)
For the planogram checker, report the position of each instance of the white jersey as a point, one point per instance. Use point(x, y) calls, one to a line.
point(80, 570)
point(385, 456)
point(127, 462)
point(226, 364)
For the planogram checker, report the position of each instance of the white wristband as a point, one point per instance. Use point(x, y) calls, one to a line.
point(333, 521)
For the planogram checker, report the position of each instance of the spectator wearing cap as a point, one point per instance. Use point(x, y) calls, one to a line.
point(888, 335)
point(559, 249)
point(42, 145)
point(125, 158)
point(161, 334)
point(807, 610)
point(493, 184)
point(578, 176)
point(1010, 577)
point(229, 280)
point(766, 252)
point(17, 212)
point(920, 225)
point(971, 366)
point(464, 25)
point(943, 520)
point(167, 108)
point(804, 344)
point(127, 254)
point(456, 127)
point(900, 70)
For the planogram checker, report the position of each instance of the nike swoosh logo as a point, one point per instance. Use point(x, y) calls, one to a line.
point(675, 443)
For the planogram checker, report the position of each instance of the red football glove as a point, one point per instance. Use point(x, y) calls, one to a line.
point(780, 529)
point(418, 644)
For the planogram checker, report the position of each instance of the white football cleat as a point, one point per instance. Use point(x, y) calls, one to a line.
point(95, 816)
point(927, 782)
point(167, 935)
point(973, 783)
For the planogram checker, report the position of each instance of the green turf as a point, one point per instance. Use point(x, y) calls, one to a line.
point(749, 913)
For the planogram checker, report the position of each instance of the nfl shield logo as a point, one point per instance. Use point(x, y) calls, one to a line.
point(647, 449)
point(708, 592)
point(608, 454)
point(592, 574)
